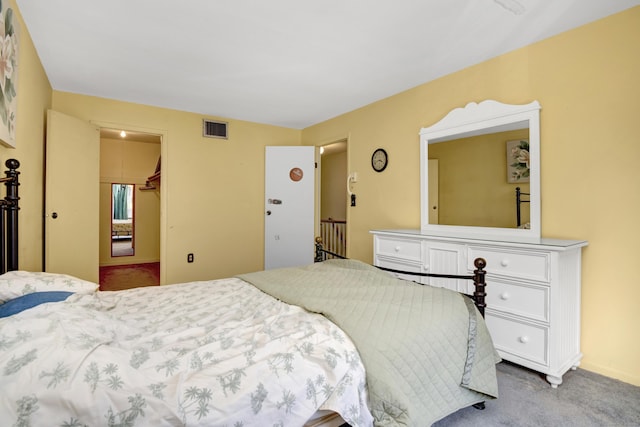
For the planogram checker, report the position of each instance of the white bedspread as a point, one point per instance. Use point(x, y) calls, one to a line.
point(218, 353)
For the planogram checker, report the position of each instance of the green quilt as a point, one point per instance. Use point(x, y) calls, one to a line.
point(426, 350)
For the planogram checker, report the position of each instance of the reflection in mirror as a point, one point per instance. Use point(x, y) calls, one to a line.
point(477, 179)
point(482, 152)
point(122, 220)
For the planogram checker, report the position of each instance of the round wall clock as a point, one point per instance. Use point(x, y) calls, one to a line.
point(379, 160)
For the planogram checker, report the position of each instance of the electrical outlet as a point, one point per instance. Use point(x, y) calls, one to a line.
point(190, 258)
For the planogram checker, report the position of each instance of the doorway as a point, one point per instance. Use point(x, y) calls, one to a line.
point(129, 208)
point(335, 187)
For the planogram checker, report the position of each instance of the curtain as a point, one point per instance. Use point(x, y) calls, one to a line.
point(120, 207)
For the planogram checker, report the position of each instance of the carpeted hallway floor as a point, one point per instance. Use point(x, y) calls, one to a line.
point(119, 277)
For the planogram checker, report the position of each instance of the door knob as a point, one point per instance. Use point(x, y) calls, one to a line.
point(54, 215)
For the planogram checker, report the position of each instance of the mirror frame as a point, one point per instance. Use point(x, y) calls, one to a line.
point(478, 119)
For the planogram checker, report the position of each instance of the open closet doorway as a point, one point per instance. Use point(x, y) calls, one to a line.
point(334, 197)
point(129, 208)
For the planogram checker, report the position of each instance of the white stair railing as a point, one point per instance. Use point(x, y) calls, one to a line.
point(333, 233)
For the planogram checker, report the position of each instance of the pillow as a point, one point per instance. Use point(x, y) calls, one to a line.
point(14, 284)
point(19, 304)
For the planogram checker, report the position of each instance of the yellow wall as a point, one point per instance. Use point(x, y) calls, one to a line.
point(130, 162)
point(472, 181)
point(586, 81)
point(213, 188)
point(34, 98)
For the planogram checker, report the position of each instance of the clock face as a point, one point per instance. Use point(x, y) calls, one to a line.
point(379, 160)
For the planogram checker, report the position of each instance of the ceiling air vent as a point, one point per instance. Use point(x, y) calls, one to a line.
point(213, 129)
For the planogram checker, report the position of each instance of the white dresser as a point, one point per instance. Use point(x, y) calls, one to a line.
point(533, 290)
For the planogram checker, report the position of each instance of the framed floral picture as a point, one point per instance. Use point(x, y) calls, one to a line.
point(518, 161)
point(8, 74)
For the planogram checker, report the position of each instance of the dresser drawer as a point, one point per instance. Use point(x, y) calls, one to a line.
point(520, 299)
point(509, 262)
point(523, 340)
point(398, 248)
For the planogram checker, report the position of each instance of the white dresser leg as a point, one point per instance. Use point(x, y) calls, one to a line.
point(554, 381)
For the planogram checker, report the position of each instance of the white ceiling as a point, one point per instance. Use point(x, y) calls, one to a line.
point(289, 63)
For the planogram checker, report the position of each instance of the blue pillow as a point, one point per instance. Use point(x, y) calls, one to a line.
point(24, 302)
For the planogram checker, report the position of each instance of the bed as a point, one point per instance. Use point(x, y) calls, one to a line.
point(519, 201)
point(332, 342)
point(121, 228)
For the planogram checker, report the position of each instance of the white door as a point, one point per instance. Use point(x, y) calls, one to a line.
point(72, 190)
point(289, 206)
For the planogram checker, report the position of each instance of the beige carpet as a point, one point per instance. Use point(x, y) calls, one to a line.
point(119, 277)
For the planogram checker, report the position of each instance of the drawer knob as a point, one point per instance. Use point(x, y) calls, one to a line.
point(505, 296)
point(397, 249)
point(524, 339)
point(504, 263)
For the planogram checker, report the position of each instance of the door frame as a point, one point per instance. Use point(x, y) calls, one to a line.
point(164, 138)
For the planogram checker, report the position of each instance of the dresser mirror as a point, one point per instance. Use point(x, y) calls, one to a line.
point(478, 156)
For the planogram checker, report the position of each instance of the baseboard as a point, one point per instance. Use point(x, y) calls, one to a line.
point(611, 373)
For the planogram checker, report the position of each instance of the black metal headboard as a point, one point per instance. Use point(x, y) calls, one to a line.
point(519, 201)
point(9, 218)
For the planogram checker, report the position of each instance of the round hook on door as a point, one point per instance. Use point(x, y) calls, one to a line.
point(54, 215)
point(268, 212)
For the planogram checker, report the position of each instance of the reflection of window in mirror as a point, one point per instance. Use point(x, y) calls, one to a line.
point(122, 219)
